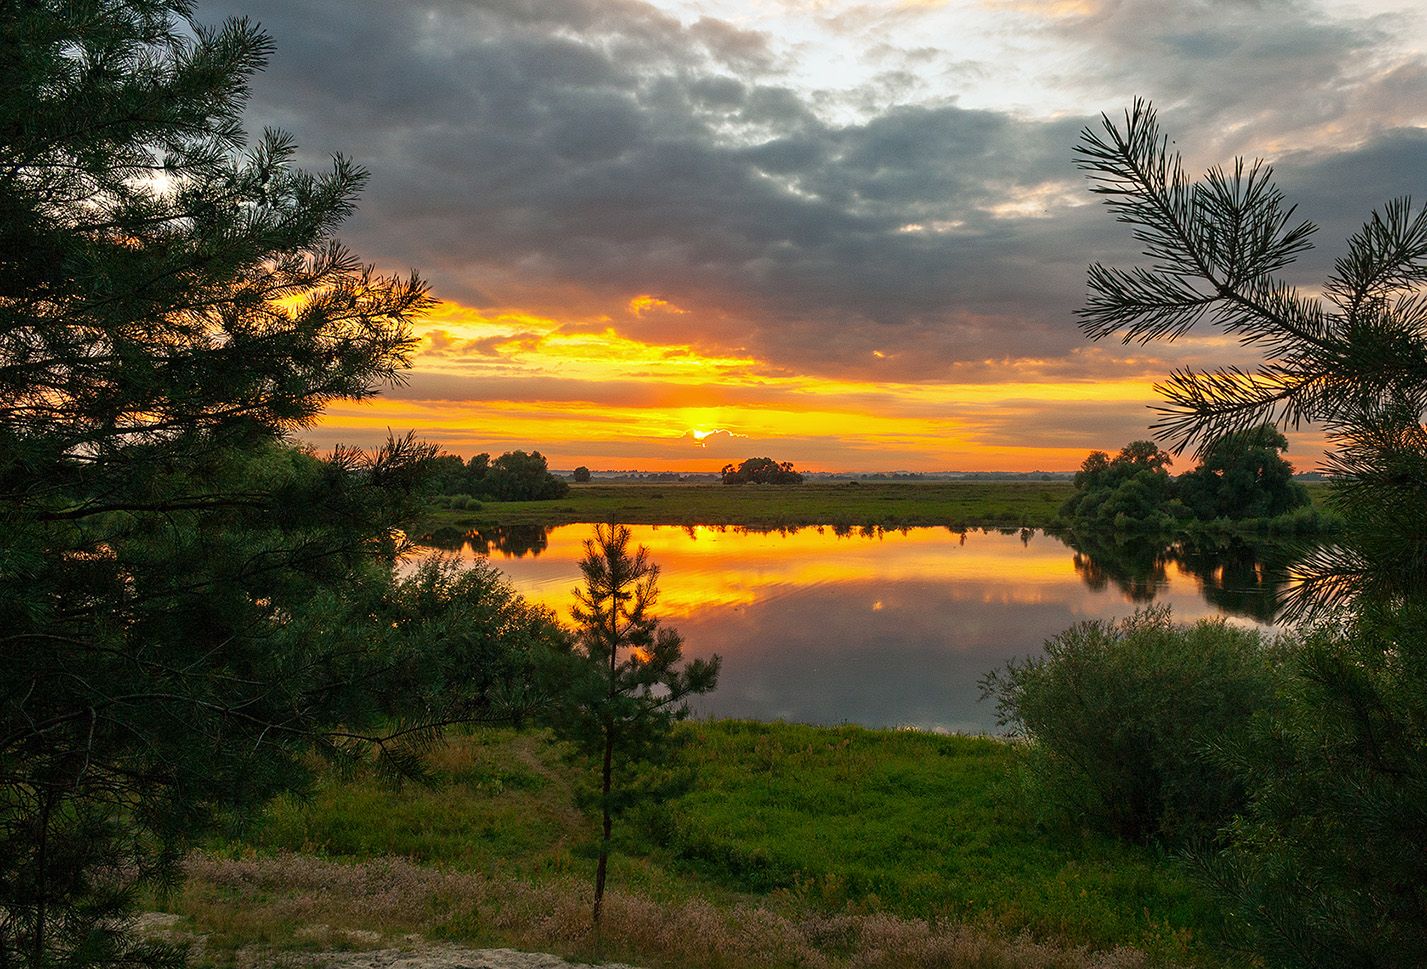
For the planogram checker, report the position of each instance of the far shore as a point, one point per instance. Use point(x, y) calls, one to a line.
point(953, 504)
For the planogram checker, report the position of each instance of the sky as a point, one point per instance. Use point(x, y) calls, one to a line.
point(848, 234)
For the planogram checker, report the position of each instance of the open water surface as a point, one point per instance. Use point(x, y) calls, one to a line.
point(888, 629)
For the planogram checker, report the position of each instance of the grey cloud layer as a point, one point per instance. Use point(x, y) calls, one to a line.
point(565, 155)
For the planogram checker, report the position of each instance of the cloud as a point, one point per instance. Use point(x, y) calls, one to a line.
point(610, 167)
point(718, 443)
point(567, 157)
point(1254, 77)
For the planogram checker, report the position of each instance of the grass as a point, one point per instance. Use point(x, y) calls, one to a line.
point(901, 504)
point(798, 846)
point(959, 504)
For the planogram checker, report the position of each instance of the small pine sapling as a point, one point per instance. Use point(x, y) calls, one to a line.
point(622, 684)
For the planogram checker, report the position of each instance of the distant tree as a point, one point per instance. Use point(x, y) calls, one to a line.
point(582, 475)
point(1130, 491)
point(517, 476)
point(622, 688)
point(476, 469)
point(447, 474)
point(1242, 475)
point(761, 471)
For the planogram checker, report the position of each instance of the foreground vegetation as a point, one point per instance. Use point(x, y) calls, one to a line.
point(796, 846)
point(195, 606)
point(1322, 862)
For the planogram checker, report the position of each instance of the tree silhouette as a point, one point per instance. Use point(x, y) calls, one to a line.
point(761, 471)
point(1242, 475)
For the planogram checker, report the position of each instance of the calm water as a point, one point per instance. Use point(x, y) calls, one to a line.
point(891, 629)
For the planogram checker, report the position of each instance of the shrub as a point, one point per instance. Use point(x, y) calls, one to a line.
point(1122, 717)
point(1328, 861)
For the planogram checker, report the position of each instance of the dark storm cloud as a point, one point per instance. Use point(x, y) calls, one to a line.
point(1248, 74)
point(562, 156)
point(1338, 191)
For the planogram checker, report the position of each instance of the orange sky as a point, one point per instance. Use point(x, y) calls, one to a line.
point(671, 234)
point(588, 395)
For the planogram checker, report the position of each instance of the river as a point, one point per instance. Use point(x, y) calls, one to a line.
point(889, 629)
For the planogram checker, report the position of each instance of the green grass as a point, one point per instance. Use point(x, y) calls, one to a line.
point(803, 831)
point(957, 504)
point(900, 504)
point(920, 825)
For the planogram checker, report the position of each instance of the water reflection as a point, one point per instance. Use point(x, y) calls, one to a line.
point(889, 628)
point(508, 540)
point(1242, 577)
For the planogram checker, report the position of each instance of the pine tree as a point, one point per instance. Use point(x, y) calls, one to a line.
point(622, 686)
point(1329, 857)
point(179, 581)
point(1354, 361)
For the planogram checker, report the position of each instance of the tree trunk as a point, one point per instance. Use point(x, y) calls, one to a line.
point(42, 876)
point(604, 806)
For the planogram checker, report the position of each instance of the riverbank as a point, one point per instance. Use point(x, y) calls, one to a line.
point(957, 505)
point(836, 847)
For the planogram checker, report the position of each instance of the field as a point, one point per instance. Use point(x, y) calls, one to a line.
point(957, 504)
point(974, 503)
point(797, 846)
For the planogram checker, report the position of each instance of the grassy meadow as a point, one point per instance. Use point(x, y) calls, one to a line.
point(795, 846)
point(972, 503)
point(955, 504)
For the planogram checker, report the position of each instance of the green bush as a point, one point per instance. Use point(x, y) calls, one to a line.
point(1328, 860)
point(1122, 718)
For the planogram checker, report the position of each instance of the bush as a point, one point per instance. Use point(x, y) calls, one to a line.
point(1328, 865)
point(1122, 718)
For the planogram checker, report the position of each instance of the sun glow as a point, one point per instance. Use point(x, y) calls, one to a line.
point(716, 567)
point(597, 392)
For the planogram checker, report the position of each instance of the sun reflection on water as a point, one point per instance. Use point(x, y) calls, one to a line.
point(885, 628)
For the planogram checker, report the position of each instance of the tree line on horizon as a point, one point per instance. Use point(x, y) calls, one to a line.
point(514, 476)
